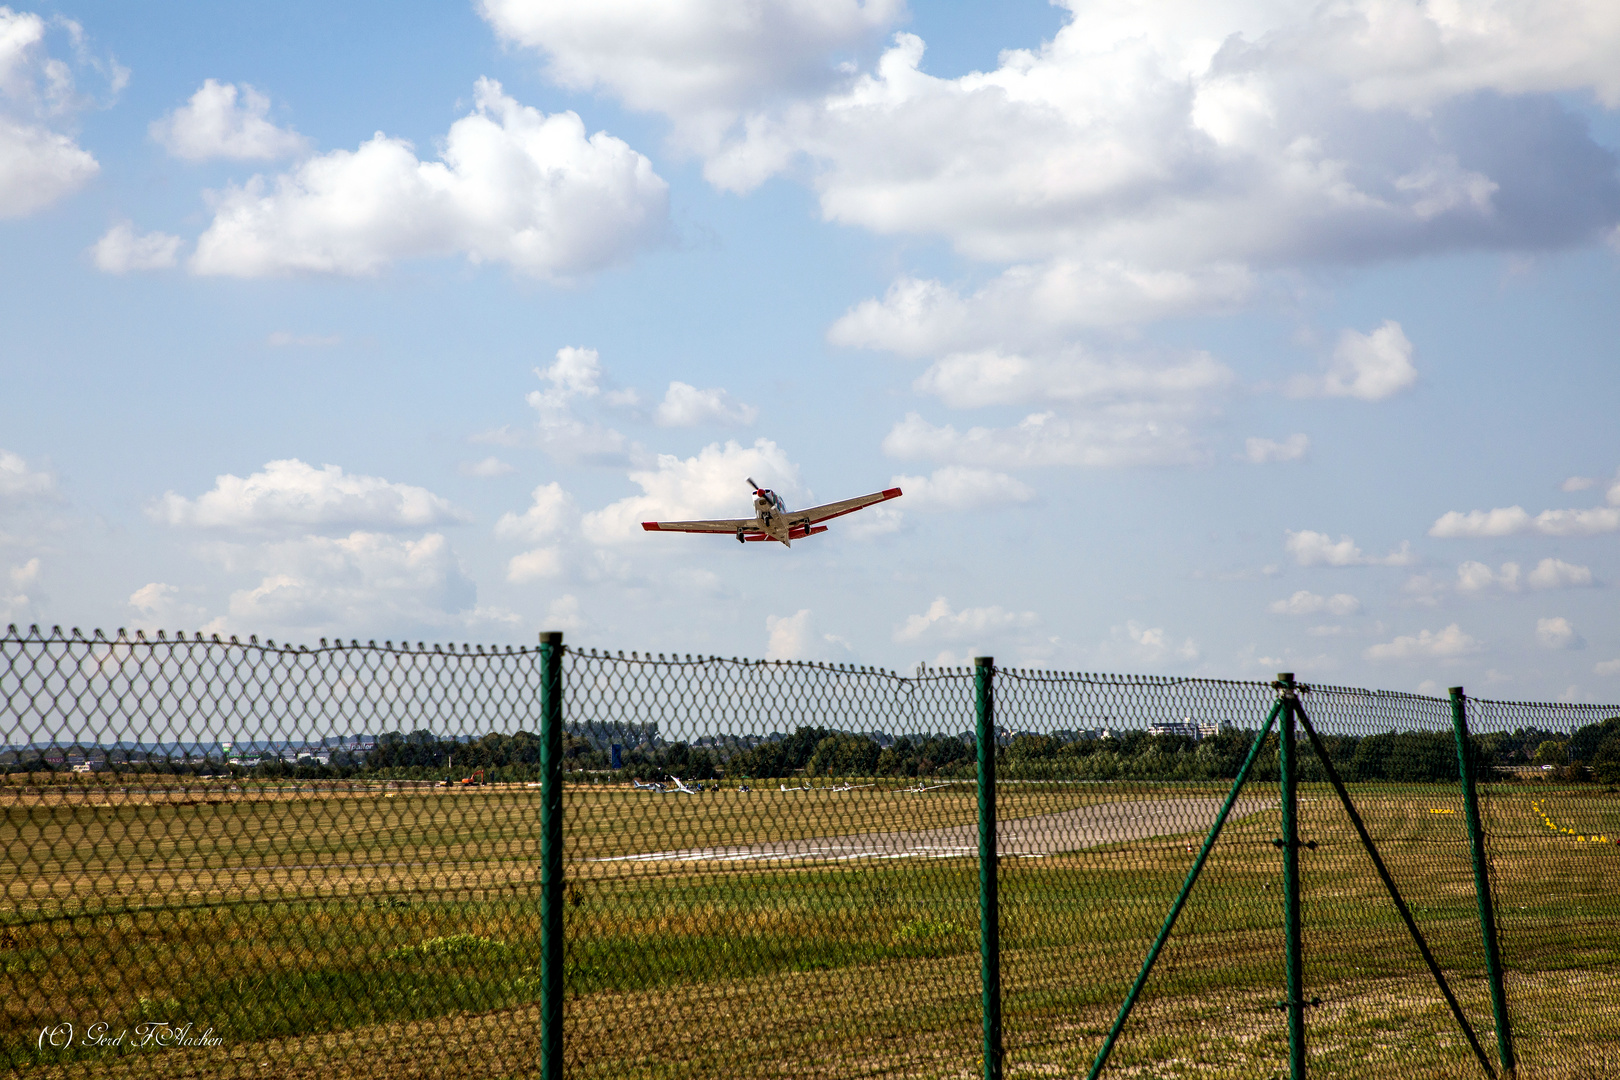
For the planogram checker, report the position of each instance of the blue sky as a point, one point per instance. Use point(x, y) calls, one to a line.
point(1212, 338)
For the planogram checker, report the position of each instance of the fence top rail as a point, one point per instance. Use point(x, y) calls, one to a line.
point(74, 636)
point(34, 635)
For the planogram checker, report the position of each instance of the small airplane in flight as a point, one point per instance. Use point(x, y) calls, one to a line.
point(772, 521)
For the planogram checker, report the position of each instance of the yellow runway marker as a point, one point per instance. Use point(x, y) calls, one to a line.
point(1547, 820)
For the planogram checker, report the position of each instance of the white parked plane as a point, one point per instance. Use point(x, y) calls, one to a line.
point(847, 786)
point(772, 521)
point(681, 785)
point(646, 787)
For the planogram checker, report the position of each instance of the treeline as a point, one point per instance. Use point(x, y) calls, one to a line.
point(1592, 753)
point(1400, 757)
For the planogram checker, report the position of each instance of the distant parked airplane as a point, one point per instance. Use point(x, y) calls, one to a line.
point(647, 787)
point(681, 785)
point(771, 520)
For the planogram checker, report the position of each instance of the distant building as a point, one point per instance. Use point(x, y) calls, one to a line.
point(1187, 728)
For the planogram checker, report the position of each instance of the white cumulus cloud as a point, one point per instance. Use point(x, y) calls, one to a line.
point(1558, 574)
point(712, 483)
point(941, 622)
point(513, 186)
point(1319, 549)
point(788, 636)
point(1367, 366)
point(1033, 305)
point(1477, 577)
point(346, 584)
point(292, 495)
point(223, 120)
point(536, 564)
point(969, 380)
point(1099, 412)
point(575, 377)
point(158, 605)
point(487, 468)
point(685, 405)
point(40, 162)
point(1473, 577)
point(873, 522)
point(1305, 602)
point(1427, 644)
point(700, 62)
point(1113, 439)
point(795, 637)
point(1193, 134)
point(551, 513)
point(38, 166)
point(16, 605)
point(1558, 633)
point(1512, 520)
point(18, 480)
point(122, 249)
point(1607, 667)
point(1136, 643)
point(957, 488)
point(1261, 451)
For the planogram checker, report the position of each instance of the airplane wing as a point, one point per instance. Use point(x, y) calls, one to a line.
point(720, 525)
point(838, 509)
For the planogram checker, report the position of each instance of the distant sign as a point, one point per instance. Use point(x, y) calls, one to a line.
point(618, 761)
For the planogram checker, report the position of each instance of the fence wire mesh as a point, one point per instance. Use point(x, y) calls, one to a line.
point(231, 858)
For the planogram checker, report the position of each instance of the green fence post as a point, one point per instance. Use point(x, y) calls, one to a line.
point(1181, 898)
point(551, 856)
point(1294, 1006)
point(1482, 882)
point(989, 907)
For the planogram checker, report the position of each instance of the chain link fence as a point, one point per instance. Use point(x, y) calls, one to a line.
point(229, 859)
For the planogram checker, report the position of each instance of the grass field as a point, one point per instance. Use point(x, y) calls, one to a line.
point(388, 933)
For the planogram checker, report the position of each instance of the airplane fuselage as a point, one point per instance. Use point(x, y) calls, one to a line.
point(773, 522)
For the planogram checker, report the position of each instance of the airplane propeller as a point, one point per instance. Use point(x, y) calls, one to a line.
point(751, 485)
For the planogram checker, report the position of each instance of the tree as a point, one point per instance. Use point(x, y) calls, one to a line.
point(1606, 761)
point(844, 755)
point(1583, 745)
point(1551, 752)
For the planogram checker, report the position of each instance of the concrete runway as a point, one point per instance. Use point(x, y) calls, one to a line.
point(1024, 838)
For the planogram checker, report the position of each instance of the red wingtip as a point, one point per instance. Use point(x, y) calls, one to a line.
point(650, 526)
point(892, 493)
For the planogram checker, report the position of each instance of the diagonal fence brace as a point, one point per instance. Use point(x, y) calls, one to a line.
point(1394, 893)
point(1181, 898)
